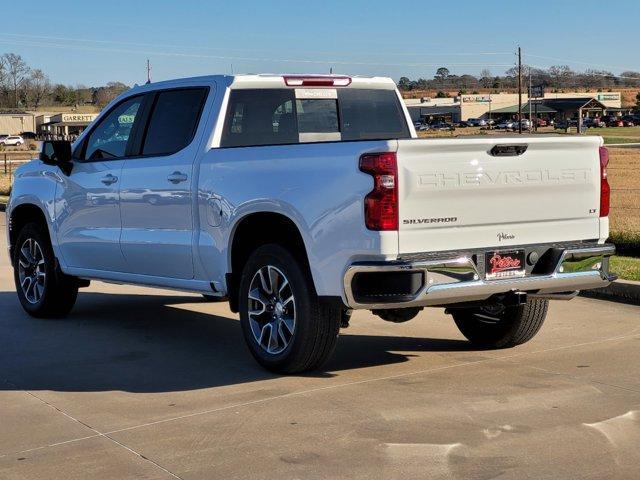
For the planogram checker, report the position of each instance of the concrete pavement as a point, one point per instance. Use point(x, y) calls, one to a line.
point(143, 383)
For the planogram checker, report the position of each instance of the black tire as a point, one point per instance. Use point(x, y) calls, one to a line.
point(317, 323)
point(58, 291)
point(501, 327)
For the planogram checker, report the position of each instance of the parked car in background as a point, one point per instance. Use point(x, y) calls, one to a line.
point(423, 127)
point(442, 126)
point(506, 125)
point(629, 121)
point(525, 122)
point(13, 140)
point(540, 122)
point(564, 124)
point(614, 122)
point(477, 122)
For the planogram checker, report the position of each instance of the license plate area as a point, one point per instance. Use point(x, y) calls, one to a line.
point(501, 264)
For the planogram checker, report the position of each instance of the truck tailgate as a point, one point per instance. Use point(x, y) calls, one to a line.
point(454, 194)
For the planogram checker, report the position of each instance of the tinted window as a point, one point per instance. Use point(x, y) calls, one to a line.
point(371, 114)
point(317, 115)
point(109, 138)
point(275, 117)
point(174, 119)
point(260, 117)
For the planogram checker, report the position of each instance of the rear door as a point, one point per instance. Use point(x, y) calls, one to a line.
point(458, 194)
point(156, 190)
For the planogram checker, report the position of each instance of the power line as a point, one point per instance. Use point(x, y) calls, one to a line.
point(589, 64)
point(201, 47)
point(239, 58)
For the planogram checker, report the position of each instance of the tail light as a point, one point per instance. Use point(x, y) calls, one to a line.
point(381, 203)
point(605, 190)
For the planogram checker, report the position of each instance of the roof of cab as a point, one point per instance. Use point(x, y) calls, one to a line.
point(263, 80)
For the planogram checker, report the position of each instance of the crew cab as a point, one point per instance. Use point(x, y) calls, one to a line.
point(299, 199)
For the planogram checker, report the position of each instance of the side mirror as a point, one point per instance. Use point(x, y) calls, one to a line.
point(57, 152)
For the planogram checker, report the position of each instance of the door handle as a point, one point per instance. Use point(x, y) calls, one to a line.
point(177, 177)
point(109, 179)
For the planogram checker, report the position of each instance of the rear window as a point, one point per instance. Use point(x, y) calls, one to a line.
point(279, 116)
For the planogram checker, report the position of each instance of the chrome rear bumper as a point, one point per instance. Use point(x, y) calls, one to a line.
point(456, 279)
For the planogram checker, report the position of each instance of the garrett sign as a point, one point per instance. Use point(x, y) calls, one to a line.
point(78, 117)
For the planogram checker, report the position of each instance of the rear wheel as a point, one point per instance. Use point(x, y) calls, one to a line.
point(499, 326)
point(288, 329)
point(43, 290)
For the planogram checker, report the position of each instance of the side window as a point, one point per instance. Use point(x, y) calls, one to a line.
point(260, 117)
point(174, 119)
point(109, 139)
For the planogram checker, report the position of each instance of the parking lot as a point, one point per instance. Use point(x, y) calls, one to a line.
point(142, 383)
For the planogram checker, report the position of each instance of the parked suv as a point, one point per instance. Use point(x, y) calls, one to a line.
point(13, 140)
point(302, 198)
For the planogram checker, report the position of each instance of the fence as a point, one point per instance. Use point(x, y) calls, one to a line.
point(11, 160)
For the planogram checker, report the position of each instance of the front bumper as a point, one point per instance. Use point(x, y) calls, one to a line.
point(456, 278)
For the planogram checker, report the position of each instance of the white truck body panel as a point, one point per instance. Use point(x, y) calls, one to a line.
point(548, 194)
point(455, 195)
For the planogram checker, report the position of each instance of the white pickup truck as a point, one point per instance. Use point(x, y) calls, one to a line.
point(301, 198)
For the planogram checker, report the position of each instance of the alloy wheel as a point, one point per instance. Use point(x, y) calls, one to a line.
point(31, 271)
point(272, 311)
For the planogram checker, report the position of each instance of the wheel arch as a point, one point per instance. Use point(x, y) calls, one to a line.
point(21, 215)
point(274, 228)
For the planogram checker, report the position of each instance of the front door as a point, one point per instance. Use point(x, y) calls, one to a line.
point(156, 190)
point(87, 200)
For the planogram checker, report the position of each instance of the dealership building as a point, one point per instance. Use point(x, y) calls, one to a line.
point(505, 105)
point(63, 124)
point(14, 122)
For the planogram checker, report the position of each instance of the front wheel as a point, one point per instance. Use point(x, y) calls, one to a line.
point(43, 290)
point(288, 329)
point(499, 326)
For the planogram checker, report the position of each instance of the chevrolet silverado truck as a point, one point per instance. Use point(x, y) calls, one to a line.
point(299, 199)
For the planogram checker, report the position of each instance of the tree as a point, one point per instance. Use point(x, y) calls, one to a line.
point(17, 71)
point(39, 87)
point(404, 83)
point(103, 95)
point(486, 79)
point(442, 73)
point(561, 75)
point(638, 100)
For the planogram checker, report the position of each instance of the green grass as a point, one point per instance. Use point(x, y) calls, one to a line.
point(628, 268)
point(610, 140)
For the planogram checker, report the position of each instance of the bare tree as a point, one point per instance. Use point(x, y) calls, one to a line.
point(17, 71)
point(39, 87)
point(4, 86)
point(486, 79)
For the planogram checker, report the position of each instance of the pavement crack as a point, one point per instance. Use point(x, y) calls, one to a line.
point(298, 393)
point(80, 422)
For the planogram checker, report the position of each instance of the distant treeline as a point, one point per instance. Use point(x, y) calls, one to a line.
point(557, 77)
point(24, 87)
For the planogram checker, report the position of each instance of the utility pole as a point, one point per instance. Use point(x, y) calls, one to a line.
point(519, 91)
point(148, 71)
point(529, 97)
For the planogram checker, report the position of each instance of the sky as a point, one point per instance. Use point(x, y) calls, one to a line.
point(91, 43)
